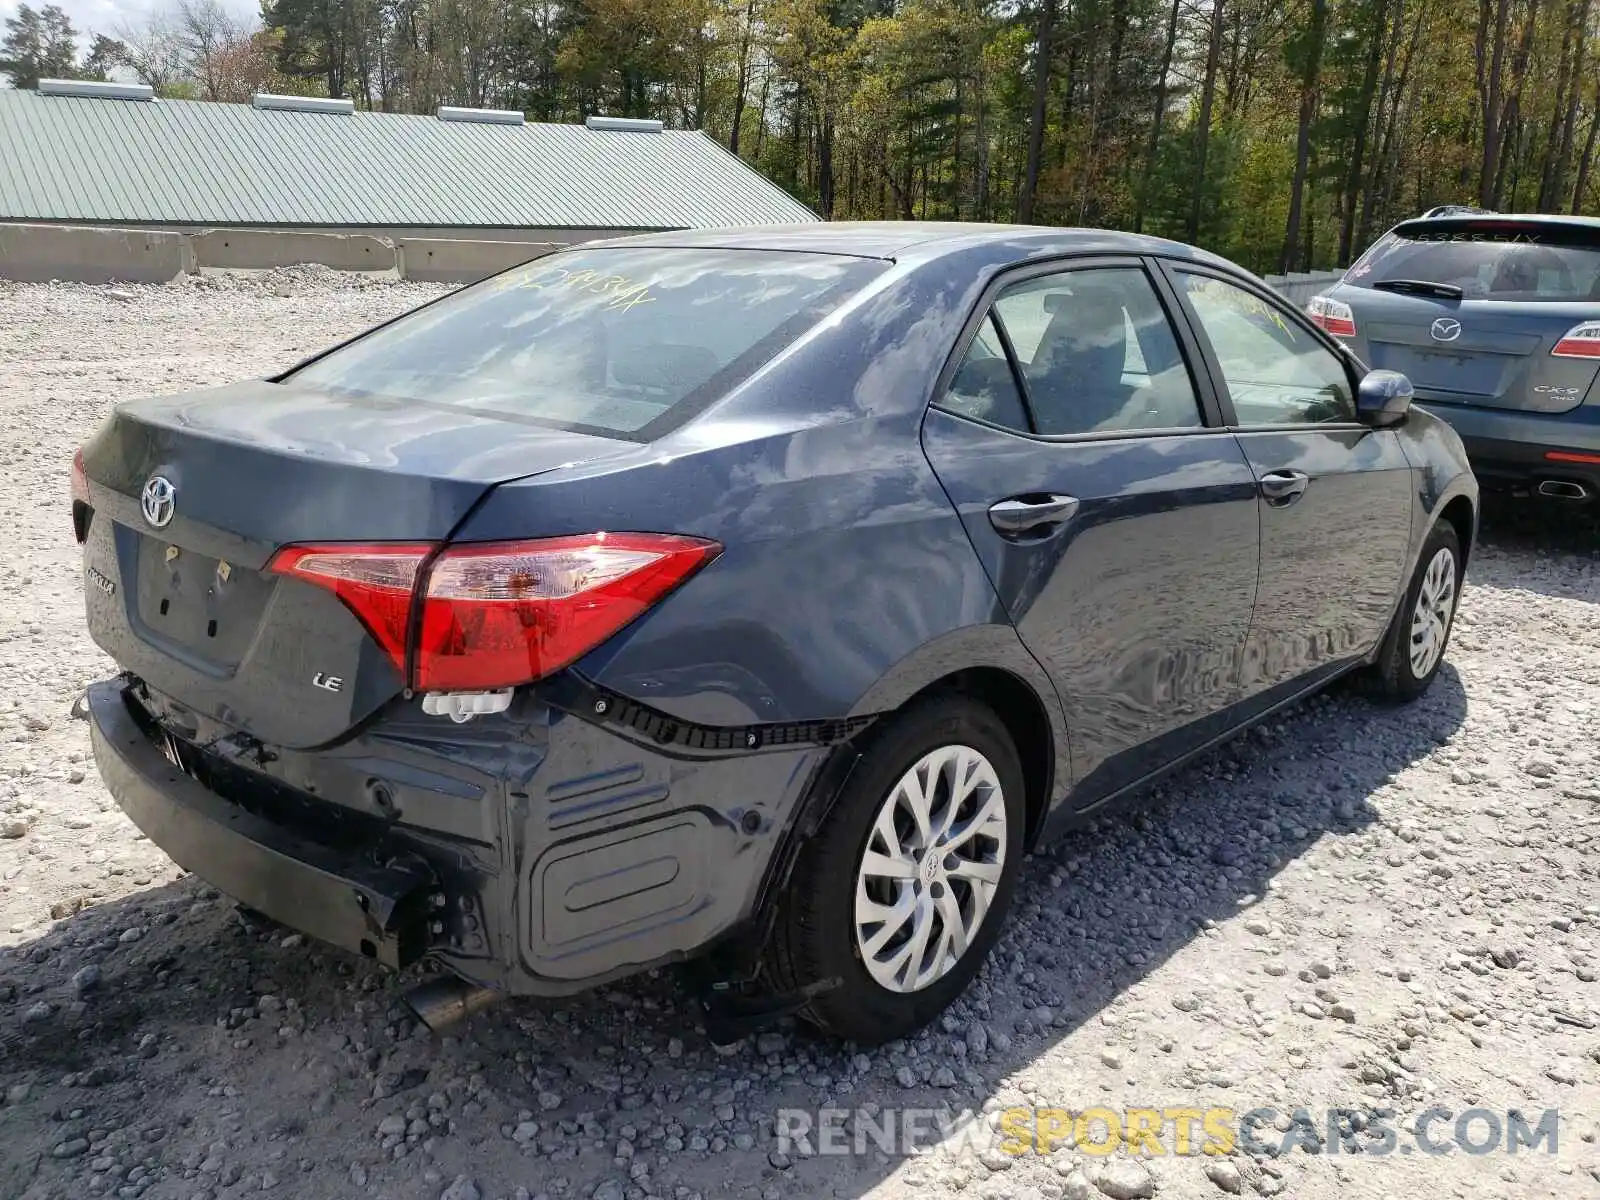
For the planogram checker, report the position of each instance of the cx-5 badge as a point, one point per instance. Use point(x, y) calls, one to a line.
point(158, 501)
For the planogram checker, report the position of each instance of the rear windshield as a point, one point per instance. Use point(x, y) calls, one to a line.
point(625, 341)
point(1489, 261)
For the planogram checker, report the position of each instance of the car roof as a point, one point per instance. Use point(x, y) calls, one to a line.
point(923, 239)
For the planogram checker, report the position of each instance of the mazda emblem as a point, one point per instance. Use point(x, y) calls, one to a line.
point(158, 501)
point(1446, 329)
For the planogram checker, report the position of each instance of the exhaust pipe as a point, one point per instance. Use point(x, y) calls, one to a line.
point(441, 1003)
point(1562, 490)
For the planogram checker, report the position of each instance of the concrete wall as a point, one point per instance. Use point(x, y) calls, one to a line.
point(93, 254)
point(44, 252)
point(253, 249)
point(433, 260)
point(90, 254)
point(395, 233)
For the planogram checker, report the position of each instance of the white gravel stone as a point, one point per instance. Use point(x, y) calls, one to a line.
point(1125, 1179)
point(1225, 1175)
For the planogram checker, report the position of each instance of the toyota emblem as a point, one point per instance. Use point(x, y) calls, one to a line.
point(158, 501)
point(1446, 329)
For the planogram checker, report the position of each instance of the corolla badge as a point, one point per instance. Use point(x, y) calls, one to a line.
point(101, 581)
point(1446, 329)
point(158, 501)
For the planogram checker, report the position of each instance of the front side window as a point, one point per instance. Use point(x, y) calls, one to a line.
point(620, 340)
point(1276, 372)
point(1097, 353)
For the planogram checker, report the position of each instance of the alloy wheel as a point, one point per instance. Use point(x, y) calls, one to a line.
point(1430, 621)
point(932, 863)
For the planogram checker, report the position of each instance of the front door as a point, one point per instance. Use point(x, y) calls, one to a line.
point(1335, 495)
point(1116, 522)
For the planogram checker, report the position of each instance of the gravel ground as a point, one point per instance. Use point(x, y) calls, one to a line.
point(1353, 906)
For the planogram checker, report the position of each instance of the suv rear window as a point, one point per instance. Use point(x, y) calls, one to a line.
point(625, 341)
point(1489, 260)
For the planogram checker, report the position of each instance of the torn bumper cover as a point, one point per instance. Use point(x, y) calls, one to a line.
point(374, 909)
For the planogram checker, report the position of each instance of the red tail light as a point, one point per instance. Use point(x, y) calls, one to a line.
point(375, 582)
point(1581, 341)
point(80, 478)
point(498, 614)
point(509, 612)
point(1337, 317)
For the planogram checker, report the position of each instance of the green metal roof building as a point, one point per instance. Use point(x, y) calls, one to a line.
point(111, 154)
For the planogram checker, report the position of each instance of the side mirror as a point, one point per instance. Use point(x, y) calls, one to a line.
point(1383, 399)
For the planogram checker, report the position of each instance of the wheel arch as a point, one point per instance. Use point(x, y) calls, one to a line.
point(1026, 720)
point(1022, 699)
point(990, 664)
point(985, 662)
point(1462, 515)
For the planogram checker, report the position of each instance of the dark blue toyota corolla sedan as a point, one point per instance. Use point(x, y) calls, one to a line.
point(759, 597)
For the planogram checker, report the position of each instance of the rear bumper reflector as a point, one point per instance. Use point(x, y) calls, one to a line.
point(1572, 456)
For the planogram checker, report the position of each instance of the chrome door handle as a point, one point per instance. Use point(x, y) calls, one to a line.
point(1030, 514)
point(1279, 488)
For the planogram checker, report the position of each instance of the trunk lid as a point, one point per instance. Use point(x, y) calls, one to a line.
point(1487, 353)
point(185, 600)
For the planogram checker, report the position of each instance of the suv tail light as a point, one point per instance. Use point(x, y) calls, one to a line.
point(1581, 341)
point(497, 614)
point(1337, 317)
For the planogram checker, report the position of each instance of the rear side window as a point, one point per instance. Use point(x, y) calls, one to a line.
point(624, 341)
point(1093, 353)
point(983, 386)
point(1488, 260)
point(1097, 353)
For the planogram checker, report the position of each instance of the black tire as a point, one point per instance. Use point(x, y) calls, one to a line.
point(1392, 676)
point(814, 936)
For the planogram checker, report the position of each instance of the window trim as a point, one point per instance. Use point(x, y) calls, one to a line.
point(1007, 348)
point(1007, 352)
point(1171, 268)
point(1212, 417)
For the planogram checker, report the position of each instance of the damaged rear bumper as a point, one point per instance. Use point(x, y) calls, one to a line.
point(532, 852)
point(376, 910)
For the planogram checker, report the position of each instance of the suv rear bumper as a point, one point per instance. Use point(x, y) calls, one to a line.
point(1519, 466)
point(534, 869)
point(1511, 449)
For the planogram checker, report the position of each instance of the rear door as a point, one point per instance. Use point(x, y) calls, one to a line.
point(1487, 353)
point(1115, 516)
point(1336, 495)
